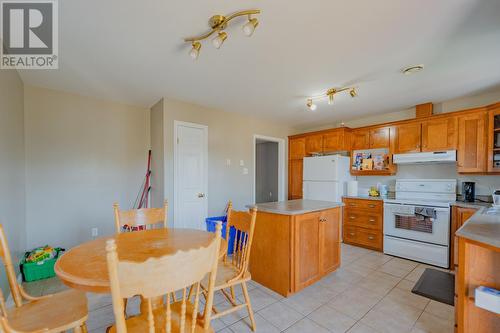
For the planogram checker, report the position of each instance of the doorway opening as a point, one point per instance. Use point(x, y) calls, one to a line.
point(269, 169)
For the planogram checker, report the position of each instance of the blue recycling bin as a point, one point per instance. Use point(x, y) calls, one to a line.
point(212, 221)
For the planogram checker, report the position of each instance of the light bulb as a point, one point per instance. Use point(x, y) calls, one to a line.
point(310, 105)
point(195, 50)
point(219, 40)
point(353, 92)
point(249, 27)
point(330, 99)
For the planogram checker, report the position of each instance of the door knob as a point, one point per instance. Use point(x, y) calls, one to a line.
point(201, 195)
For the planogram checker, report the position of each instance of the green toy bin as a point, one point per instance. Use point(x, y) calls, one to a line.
point(33, 271)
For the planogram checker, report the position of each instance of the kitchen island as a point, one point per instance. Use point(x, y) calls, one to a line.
point(295, 244)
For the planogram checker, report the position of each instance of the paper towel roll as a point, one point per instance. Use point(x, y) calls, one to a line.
point(352, 188)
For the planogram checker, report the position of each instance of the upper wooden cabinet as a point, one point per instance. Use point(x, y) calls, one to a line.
point(336, 140)
point(360, 139)
point(494, 139)
point(408, 137)
point(439, 134)
point(471, 153)
point(314, 144)
point(297, 148)
point(380, 138)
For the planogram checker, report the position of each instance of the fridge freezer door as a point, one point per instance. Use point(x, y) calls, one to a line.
point(326, 191)
point(322, 168)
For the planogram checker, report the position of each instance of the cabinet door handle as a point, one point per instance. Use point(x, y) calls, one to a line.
point(371, 220)
point(371, 237)
point(352, 233)
point(352, 217)
point(372, 206)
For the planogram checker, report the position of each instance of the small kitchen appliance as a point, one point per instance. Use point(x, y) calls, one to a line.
point(468, 191)
point(496, 198)
point(417, 221)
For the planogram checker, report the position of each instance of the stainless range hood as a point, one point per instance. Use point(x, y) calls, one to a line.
point(447, 156)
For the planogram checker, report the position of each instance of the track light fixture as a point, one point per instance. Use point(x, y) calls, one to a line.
point(330, 94)
point(218, 23)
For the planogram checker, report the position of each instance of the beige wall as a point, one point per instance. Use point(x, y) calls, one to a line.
point(157, 160)
point(82, 154)
point(230, 136)
point(12, 165)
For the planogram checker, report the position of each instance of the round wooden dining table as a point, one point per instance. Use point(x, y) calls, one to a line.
point(84, 267)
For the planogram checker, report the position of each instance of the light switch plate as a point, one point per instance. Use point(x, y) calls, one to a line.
point(242, 163)
point(228, 162)
point(245, 171)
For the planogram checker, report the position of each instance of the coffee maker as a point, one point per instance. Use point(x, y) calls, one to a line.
point(468, 191)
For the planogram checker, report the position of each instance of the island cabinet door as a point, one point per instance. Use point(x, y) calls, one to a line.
point(307, 250)
point(329, 240)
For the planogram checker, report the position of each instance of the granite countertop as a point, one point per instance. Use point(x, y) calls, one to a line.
point(483, 226)
point(365, 197)
point(475, 204)
point(296, 207)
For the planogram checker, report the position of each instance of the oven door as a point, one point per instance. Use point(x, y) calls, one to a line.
point(401, 221)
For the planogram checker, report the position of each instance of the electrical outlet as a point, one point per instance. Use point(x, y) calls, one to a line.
point(228, 162)
point(242, 163)
point(95, 232)
point(245, 171)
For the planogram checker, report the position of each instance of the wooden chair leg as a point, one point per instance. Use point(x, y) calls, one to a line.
point(249, 305)
point(232, 292)
point(77, 329)
point(125, 301)
point(84, 328)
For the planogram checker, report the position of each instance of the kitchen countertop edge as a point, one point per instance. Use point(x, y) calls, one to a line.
point(307, 206)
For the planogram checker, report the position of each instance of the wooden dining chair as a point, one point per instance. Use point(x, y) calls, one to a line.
point(162, 277)
point(51, 313)
point(147, 218)
point(233, 270)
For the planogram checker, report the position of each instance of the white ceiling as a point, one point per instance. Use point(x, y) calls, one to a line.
point(133, 51)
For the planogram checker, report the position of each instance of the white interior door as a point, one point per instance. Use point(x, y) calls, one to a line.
point(190, 175)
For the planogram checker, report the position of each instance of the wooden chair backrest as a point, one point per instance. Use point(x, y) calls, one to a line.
point(147, 217)
point(244, 225)
point(157, 277)
point(9, 268)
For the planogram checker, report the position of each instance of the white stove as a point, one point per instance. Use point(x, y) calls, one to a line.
point(417, 221)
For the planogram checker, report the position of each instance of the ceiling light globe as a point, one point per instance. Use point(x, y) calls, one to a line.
point(195, 50)
point(219, 40)
point(249, 27)
point(353, 93)
point(310, 105)
point(313, 107)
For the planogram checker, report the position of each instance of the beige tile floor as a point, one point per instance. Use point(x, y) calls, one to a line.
point(370, 292)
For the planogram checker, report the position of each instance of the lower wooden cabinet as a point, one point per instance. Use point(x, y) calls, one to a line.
point(363, 223)
point(291, 252)
point(458, 217)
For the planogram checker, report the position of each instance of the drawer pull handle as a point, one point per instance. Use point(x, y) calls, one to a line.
point(371, 206)
point(352, 217)
point(352, 233)
point(371, 237)
point(352, 204)
point(371, 220)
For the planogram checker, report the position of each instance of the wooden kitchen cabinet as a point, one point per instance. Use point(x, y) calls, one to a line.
point(336, 140)
point(363, 223)
point(439, 134)
point(314, 144)
point(494, 139)
point(458, 217)
point(471, 152)
point(297, 148)
point(408, 138)
point(291, 252)
point(380, 138)
point(307, 249)
point(295, 176)
point(360, 139)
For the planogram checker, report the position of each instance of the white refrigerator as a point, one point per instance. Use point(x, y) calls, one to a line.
point(326, 177)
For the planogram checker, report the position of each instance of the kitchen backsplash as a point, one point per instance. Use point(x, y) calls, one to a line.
point(485, 185)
